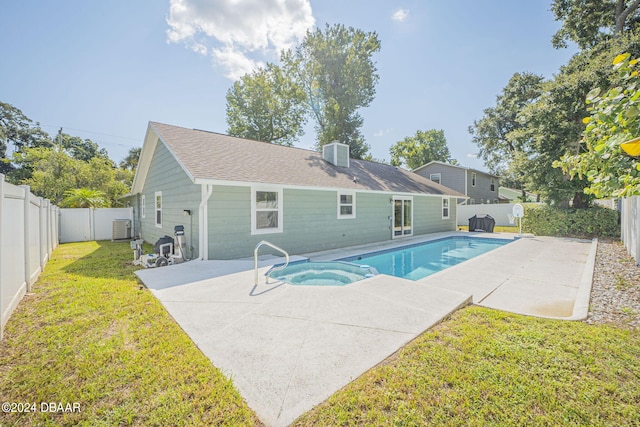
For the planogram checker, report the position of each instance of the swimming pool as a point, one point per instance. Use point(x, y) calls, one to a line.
point(417, 261)
point(331, 273)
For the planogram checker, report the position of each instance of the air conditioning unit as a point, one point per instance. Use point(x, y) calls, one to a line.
point(121, 229)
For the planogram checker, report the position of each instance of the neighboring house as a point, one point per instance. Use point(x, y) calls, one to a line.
point(480, 187)
point(230, 193)
point(512, 195)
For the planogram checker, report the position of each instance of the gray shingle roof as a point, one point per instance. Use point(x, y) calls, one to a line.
point(214, 156)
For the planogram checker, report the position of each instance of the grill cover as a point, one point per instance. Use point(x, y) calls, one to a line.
point(482, 223)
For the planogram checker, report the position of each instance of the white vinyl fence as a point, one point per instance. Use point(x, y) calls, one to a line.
point(84, 224)
point(28, 235)
point(630, 221)
point(498, 211)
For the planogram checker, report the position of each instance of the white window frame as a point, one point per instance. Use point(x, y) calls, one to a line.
point(393, 216)
point(280, 200)
point(446, 206)
point(157, 209)
point(352, 215)
point(474, 178)
point(143, 202)
point(438, 177)
point(492, 184)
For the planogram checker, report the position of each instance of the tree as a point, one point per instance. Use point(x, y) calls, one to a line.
point(551, 124)
point(83, 198)
point(80, 149)
point(54, 172)
point(266, 105)
point(422, 148)
point(614, 118)
point(18, 131)
point(336, 70)
point(589, 22)
point(496, 134)
point(131, 161)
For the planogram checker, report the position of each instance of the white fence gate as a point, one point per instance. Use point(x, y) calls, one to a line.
point(28, 235)
point(630, 221)
point(84, 224)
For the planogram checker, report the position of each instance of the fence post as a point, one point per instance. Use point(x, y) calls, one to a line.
point(27, 236)
point(636, 201)
point(41, 229)
point(1, 266)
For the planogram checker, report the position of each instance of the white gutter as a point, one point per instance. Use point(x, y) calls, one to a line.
point(203, 221)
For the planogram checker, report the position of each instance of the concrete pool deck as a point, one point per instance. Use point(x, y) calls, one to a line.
point(288, 348)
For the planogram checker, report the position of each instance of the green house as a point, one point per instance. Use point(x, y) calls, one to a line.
point(230, 193)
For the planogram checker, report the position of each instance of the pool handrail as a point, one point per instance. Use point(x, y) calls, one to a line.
point(255, 260)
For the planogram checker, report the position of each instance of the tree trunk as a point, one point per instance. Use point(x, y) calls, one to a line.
point(578, 201)
point(623, 13)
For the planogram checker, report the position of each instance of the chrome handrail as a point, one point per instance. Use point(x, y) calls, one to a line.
point(255, 260)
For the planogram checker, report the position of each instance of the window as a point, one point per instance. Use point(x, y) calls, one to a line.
point(346, 205)
point(473, 179)
point(435, 177)
point(266, 211)
point(445, 208)
point(493, 184)
point(158, 209)
point(142, 206)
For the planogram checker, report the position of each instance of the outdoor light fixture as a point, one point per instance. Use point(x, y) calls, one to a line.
point(632, 147)
point(186, 212)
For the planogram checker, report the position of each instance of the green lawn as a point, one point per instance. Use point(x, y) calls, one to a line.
point(496, 229)
point(89, 334)
point(486, 367)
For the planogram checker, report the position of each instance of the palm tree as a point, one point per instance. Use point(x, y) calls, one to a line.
point(84, 198)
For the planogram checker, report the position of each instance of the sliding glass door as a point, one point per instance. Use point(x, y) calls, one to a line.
point(402, 216)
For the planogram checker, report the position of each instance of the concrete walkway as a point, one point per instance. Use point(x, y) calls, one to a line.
point(288, 348)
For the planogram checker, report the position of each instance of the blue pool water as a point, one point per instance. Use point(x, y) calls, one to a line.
point(421, 260)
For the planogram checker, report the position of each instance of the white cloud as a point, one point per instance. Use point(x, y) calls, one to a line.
point(236, 63)
point(472, 156)
point(400, 15)
point(234, 31)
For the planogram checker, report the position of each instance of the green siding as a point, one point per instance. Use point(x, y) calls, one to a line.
point(310, 221)
point(178, 194)
point(427, 216)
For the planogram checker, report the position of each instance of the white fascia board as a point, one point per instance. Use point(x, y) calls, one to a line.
point(311, 188)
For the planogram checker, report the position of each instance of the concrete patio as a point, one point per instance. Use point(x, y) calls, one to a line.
point(288, 348)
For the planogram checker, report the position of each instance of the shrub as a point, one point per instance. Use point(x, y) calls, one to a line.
point(582, 223)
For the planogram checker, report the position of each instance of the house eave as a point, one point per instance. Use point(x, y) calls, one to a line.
point(229, 183)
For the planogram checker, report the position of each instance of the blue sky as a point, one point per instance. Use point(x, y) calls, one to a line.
point(102, 70)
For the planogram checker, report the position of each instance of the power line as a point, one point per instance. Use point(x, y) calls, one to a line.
point(97, 133)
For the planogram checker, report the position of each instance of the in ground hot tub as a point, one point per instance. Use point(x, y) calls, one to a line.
point(330, 273)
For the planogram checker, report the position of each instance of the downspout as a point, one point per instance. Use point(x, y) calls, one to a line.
point(466, 185)
point(203, 221)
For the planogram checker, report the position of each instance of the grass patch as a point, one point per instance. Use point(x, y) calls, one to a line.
point(486, 367)
point(89, 334)
point(496, 229)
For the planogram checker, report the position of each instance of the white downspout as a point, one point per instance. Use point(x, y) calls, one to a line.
point(203, 221)
point(466, 185)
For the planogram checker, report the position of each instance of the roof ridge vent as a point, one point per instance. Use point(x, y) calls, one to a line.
point(336, 153)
